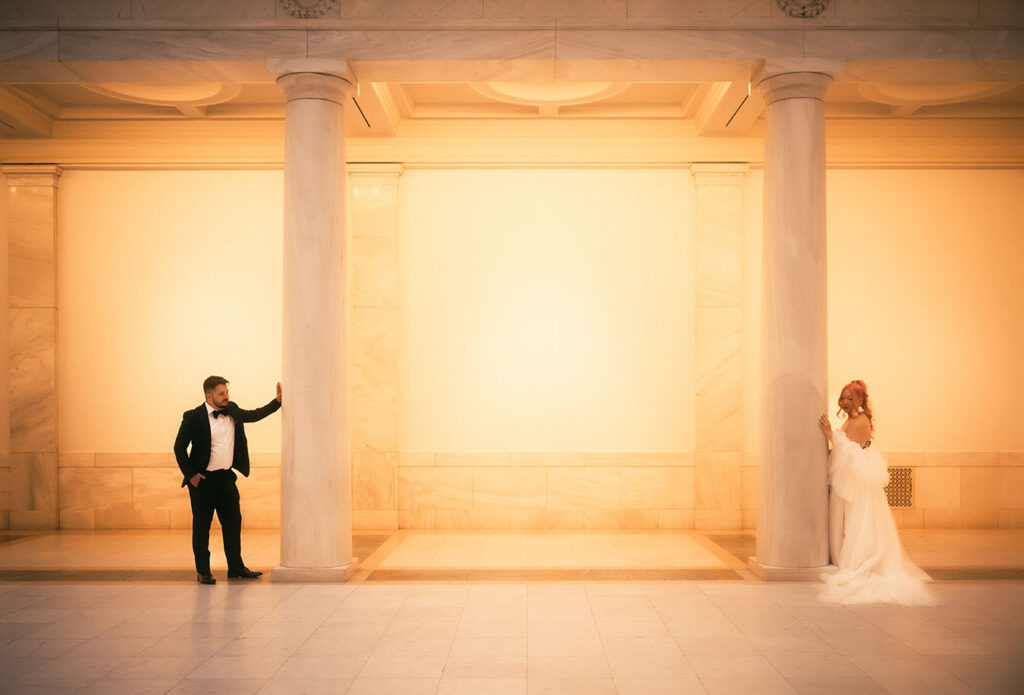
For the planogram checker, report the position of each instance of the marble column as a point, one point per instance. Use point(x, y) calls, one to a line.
point(792, 523)
point(32, 344)
point(718, 414)
point(316, 490)
point(374, 344)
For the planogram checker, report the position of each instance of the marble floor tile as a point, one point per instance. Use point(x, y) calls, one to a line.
point(659, 686)
point(306, 686)
point(137, 686)
point(570, 686)
point(482, 686)
point(394, 686)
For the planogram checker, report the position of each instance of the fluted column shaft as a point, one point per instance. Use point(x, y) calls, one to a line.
point(316, 509)
point(792, 528)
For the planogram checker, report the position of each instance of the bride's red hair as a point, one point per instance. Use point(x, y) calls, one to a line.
point(859, 390)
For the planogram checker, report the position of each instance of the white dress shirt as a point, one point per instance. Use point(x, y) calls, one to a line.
point(222, 440)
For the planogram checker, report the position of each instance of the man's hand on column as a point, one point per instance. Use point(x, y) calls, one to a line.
point(279, 392)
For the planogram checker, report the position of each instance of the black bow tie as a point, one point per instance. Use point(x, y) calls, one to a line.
point(217, 413)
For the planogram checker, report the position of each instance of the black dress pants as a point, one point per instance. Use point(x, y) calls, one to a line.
point(216, 492)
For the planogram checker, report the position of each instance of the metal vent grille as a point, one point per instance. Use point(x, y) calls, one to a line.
point(900, 490)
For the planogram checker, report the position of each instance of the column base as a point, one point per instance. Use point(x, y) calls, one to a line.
point(313, 574)
point(770, 573)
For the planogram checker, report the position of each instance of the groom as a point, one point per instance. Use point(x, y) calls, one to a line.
point(217, 435)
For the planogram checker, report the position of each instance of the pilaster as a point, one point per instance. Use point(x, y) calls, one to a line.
point(374, 344)
point(718, 415)
point(31, 370)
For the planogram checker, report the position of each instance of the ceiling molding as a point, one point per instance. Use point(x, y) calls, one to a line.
point(20, 118)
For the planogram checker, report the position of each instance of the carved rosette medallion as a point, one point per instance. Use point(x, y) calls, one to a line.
point(803, 10)
point(306, 9)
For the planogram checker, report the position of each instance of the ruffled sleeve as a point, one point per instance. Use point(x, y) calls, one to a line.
point(853, 469)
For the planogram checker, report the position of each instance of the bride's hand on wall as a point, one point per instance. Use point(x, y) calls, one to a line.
point(826, 426)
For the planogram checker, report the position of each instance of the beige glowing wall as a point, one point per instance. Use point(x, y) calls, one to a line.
point(165, 278)
point(546, 310)
point(546, 339)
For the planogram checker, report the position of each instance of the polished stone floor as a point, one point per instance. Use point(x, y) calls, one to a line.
point(159, 632)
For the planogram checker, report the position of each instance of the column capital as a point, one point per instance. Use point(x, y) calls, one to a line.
point(31, 174)
point(301, 78)
point(794, 85)
point(718, 173)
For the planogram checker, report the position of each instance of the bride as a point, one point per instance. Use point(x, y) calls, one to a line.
point(864, 544)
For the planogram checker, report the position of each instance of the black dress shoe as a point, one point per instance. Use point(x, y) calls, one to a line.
point(244, 573)
point(205, 579)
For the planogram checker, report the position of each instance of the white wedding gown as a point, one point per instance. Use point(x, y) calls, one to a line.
point(873, 567)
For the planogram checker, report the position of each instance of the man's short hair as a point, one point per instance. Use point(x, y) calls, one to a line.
point(213, 382)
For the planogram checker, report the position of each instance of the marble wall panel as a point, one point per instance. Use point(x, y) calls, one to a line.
point(620, 518)
point(181, 517)
point(435, 488)
point(1011, 518)
point(87, 50)
point(416, 459)
point(473, 460)
point(189, 9)
point(908, 518)
point(675, 518)
point(32, 245)
point(375, 379)
point(33, 520)
point(719, 243)
point(551, 9)
point(510, 488)
point(979, 518)
point(412, 9)
point(962, 459)
point(500, 45)
point(584, 488)
point(90, 488)
point(937, 488)
point(677, 44)
point(32, 379)
point(77, 519)
point(684, 9)
point(261, 492)
point(5, 488)
point(157, 488)
point(748, 518)
point(904, 459)
point(637, 459)
point(5, 519)
point(148, 460)
point(132, 518)
point(657, 488)
point(1002, 11)
point(416, 518)
point(718, 519)
point(545, 459)
point(1011, 458)
point(259, 517)
point(917, 12)
point(546, 518)
point(374, 481)
point(718, 481)
point(749, 478)
point(718, 423)
point(65, 9)
point(367, 519)
point(471, 519)
point(374, 205)
point(992, 488)
point(943, 518)
point(76, 460)
point(33, 483)
point(375, 271)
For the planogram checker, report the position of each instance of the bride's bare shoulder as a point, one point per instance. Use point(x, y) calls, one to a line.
point(858, 429)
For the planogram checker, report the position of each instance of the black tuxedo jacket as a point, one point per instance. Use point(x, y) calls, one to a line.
point(195, 430)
